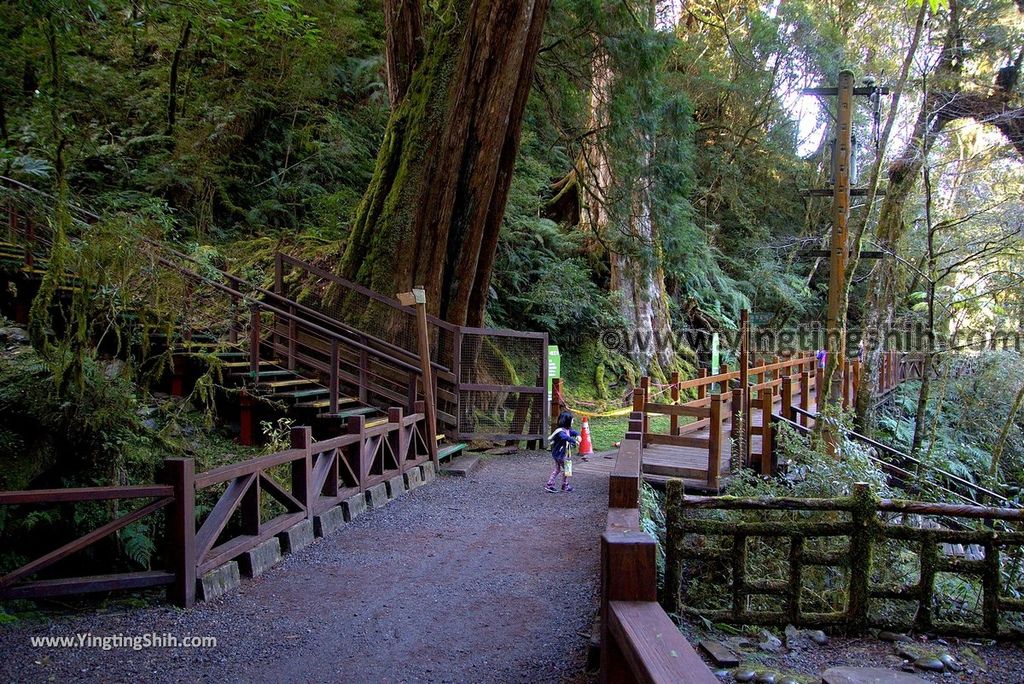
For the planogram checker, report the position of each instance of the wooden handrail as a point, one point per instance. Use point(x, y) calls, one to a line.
point(639, 642)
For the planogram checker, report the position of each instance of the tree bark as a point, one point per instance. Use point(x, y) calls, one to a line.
point(921, 412)
point(618, 211)
point(403, 25)
point(172, 100)
point(432, 213)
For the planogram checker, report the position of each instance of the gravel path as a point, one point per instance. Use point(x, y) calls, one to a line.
point(482, 579)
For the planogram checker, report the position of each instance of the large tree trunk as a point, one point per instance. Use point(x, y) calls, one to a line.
point(433, 210)
point(618, 211)
point(403, 43)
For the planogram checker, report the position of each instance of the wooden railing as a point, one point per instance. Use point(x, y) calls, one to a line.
point(639, 641)
point(306, 480)
point(843, 534)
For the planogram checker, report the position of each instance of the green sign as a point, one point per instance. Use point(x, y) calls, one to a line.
point(554, 367)
point(714, 354)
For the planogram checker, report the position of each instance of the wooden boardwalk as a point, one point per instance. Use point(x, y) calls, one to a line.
point(705, 433)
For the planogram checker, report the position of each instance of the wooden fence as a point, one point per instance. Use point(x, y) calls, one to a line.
point(639, 642)
point(857, 529)
point(304, 481)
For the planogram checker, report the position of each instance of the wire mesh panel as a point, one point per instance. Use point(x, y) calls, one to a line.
point(502, 385)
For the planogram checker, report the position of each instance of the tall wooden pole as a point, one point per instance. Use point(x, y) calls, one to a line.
point(744, 384)
point(840, 225)
point(418, 299)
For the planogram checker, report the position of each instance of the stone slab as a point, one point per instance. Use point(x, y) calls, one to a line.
point(868, 675)
point(329, 521)
point(461, 466)
point(297, 537)
point(413, 479)
point(257, 560)
point(721, 655)
point(427, 472)
point(219, 581)
point(354, 506)
point(396, 487)
point(377, 495)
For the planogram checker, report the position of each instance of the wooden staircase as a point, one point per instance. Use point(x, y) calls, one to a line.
point(310, 367)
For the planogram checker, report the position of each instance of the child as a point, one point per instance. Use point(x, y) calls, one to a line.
point(561, 439)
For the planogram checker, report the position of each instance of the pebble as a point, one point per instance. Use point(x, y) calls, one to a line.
point(819, 637)
point(930, 664)
point(744, 675)
point(950, 662)
point(893, 636)
point(765, 678)
point(788, 680)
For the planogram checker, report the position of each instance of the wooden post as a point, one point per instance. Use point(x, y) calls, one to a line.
point(293, 335)
point(675, 510)
point(361, 467)
point(177, 376)
point(301, 437)
point(364, 370)
point(254, 340)
point(628, 573)
point(645, 386)
point(639, 425)
point(737, 418)
point(767, 399)
point(457, 372)
point(864, 522)
point(745, 383)
point(819, 391)
point(841, 217)
point(715, 441)
point(418, 299)
point(674, 393)
point(181, 531)
point(787, 397)
point(396, 437)
point(556, 399)
point(278, 289)
point(805, 396)
point(247, 428)
point(333, 375)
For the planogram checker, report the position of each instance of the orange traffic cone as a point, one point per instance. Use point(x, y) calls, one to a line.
point(586, 448)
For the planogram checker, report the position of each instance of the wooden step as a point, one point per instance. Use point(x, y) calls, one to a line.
point(247, 364)
point(461, 466)
point(347, 413)
point(296, 382)
point(449, 450)
point(375, 422)
point(278, 373)
point(303, 394)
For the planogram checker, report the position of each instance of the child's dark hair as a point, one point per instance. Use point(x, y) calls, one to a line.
point(565, 420)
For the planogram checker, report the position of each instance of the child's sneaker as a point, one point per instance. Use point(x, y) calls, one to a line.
point(567, 488)
point(550, 488)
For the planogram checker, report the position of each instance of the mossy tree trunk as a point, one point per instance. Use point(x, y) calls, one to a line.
point(618, 211)
point(433, 210)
